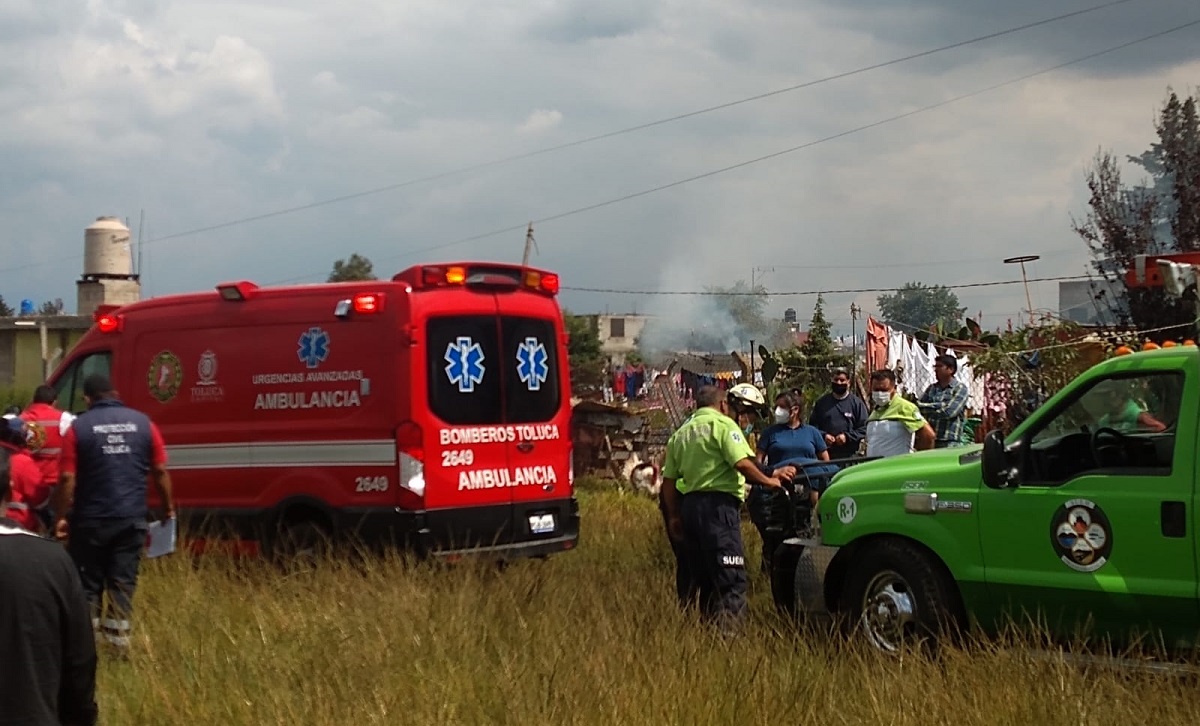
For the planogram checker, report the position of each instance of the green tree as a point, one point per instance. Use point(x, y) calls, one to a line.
point(355, 268)
point(807, 365)
point(583, 348)
point(5, 310)
point(1160, 216)
point(917, 306)
point(52, 307)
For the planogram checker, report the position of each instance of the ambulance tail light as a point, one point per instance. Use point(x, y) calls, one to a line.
point(411, 450)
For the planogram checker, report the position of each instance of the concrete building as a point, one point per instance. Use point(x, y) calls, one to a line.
point(619, 334)
point(32, 345)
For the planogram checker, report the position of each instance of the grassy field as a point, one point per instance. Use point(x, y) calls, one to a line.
point(587, 637)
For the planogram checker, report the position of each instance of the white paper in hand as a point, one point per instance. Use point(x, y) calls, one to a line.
point(161, 539)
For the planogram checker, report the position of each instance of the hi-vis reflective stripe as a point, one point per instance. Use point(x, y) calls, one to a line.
point(252, 455)
point(14, 530)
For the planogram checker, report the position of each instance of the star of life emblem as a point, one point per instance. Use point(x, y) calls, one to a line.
point(464, 364)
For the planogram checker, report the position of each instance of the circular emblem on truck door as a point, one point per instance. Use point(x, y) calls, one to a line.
point(1081, 535)
point(166, 373)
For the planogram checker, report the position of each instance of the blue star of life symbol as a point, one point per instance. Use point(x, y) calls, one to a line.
point(531, 364)
point(464, 367)
point(313, 347)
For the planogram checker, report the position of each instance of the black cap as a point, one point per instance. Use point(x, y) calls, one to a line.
point(948, 360)
point(96, 385)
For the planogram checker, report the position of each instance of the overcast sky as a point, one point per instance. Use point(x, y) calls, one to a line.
point(200, 113)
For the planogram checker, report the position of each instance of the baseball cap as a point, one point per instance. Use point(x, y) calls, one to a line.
point(96, 384)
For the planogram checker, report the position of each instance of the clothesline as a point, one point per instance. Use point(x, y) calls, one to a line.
point(1052, 346)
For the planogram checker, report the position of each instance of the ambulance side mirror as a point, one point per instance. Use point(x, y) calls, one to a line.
point(999, 470)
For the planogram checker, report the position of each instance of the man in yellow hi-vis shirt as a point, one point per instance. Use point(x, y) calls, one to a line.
point(710, 459)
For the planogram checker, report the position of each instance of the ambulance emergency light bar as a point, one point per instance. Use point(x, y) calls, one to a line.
point(107, 320)
point(237, 291)
point(433, 276)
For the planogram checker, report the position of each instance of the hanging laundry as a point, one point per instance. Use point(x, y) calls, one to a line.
point(877, 345)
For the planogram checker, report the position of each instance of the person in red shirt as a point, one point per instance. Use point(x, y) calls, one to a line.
point(48, 425)
point(28, 491)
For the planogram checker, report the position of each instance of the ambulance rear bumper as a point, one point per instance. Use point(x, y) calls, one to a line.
point(505, 531)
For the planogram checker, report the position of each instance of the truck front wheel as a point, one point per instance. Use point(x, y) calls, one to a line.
point(897, 593)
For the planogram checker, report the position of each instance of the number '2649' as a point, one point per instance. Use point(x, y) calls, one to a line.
point(371, 484)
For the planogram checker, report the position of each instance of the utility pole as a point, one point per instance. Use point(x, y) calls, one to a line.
point(854, 311)
point(530, 245)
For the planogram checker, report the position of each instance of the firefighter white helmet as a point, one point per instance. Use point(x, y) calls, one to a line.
point(746, 396)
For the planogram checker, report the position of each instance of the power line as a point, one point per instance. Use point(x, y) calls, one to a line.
point(1060, 252)
point(718, 293)
point(807, 145)
point(619, 132)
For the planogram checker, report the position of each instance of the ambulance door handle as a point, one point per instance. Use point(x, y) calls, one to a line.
point(525, 447)
point(1173, 516)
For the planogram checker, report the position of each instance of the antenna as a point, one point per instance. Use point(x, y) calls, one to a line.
point(141, 224)
point(530, 245)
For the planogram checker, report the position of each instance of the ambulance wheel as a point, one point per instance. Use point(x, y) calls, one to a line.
point(303, 543)
point(898, 594)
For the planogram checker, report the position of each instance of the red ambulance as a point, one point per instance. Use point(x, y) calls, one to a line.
point(429, 411)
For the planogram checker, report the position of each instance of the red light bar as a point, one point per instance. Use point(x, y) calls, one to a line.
point(109, 322)
point(367, 303)
point(550, 283)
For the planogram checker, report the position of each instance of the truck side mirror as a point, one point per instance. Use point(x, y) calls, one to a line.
point(998, 471)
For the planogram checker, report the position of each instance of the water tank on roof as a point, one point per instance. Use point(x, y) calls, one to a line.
point(106, 249)
point(789, 315)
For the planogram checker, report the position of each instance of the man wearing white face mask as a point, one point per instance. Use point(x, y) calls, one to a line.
point(895, 425)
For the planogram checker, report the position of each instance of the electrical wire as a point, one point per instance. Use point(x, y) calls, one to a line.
point(642, 126)
point(723, 293)
point(749, 162)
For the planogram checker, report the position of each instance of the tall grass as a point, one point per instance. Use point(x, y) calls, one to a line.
point(587, 637)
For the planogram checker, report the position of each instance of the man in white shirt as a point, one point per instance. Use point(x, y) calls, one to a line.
point(895, 425)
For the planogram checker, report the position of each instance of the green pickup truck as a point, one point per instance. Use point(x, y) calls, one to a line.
point(1081, 521)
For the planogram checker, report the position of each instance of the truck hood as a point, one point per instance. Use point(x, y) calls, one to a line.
point(955, 467)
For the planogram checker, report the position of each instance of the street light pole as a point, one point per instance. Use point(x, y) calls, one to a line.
point(1021, 260)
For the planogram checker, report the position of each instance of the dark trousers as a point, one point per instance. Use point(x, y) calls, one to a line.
point(715, 557)
point(685, 582)
point(107, 553)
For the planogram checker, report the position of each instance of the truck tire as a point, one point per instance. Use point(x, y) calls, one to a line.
point(896, 593)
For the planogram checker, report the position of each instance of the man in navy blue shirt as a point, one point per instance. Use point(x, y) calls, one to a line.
point(841, 417)
point(101, 501)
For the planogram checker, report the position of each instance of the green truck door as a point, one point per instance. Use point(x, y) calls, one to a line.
point(1102, 524)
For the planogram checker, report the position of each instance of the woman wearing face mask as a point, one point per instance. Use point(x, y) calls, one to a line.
point(788, 441)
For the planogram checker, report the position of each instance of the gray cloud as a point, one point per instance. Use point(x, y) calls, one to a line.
point(201, 117)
